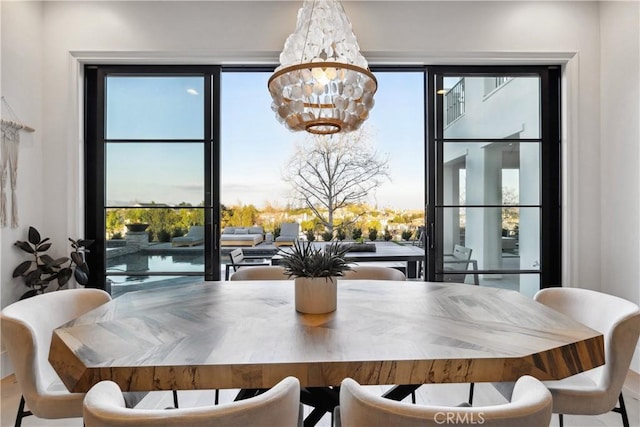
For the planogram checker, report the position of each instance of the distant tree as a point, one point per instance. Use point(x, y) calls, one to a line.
point(357, 233)
point(510, 216)
point(244, 216)
point(114, 221)
point(136, 215)
point(328, 173)
point(161, 220)
point(311, 236)
point(406, 235)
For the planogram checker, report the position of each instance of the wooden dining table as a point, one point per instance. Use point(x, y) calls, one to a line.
point(248, 335)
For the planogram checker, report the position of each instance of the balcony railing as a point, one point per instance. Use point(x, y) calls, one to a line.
point(493, 83)
point(454, 100)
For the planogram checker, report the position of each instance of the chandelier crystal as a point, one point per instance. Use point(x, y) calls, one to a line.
point(323, 84)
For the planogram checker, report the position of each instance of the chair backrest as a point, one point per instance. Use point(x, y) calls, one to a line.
point(267, 272)
point(236, 256)
point(27, 327)
point(289, 229)
point(104, 406)
point(616, 318)
point(461, 253)
point(362, 272)
point(530, 406)
point(196, 231)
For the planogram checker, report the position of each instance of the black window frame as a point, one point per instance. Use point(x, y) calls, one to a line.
point(551, 157)
point(550, 271)
point(94, 149)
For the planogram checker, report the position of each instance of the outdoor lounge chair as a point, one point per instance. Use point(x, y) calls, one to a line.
point(460, 261)
point(288, 234)
point(195, 236)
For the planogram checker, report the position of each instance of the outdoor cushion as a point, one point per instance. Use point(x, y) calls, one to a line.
point(229, 230)
point(195, 236)
point(255, 230)
point(241, 231)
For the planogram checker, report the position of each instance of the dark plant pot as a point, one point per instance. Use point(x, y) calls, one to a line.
point(136, 228)
point(362, 247)
point(359, 247)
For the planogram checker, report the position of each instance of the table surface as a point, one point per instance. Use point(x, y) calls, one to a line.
point(248, 335)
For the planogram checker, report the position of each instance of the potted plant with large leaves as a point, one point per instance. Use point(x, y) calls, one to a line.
point(315, 271)
point(42, 269)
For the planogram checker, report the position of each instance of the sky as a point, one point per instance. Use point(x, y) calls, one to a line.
point(255, 147)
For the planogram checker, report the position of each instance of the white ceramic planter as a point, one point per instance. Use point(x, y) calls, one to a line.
point(316, 295)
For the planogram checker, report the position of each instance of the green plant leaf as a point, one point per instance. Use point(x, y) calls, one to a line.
point(60, 261)
point(64, 275)
point(22, 268)
point(83, 267)
point(43, 247)
point(76, 257)
point(34, 236)
point(29, 294)
point(33, 278)
point(81, 277)
point(305, 260)
point(25, 247)
point(85, 243)
point(46, 259)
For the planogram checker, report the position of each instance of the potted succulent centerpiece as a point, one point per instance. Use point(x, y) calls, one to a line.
point(315, 271)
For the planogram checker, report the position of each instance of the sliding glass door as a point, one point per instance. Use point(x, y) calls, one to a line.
point(493, 208)
point(484, 141)
point(152, 173)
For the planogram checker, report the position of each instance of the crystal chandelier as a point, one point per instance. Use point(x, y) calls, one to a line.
point(323, 84)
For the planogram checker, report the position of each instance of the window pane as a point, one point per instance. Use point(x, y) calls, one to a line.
point(154, 107)
point(491, 107)
point(252, 156)
point(160, 173)
point(143, 263)
point(494, 173)
point(256, 159)
point(526, 283)
point(499, 238)
point(160, 224)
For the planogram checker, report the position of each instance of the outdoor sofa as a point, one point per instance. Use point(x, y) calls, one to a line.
point(241, 236)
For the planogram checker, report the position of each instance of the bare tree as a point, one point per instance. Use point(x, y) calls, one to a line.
point(327, 173)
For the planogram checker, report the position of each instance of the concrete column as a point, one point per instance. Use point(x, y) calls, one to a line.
point(484, 225)
point(529, 227)
point(451, 217)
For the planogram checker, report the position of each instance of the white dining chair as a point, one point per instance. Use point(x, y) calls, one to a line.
point(529, 407)
point(279, 406)
point(27, 327)
point(366, 272)
point(596, 391)
point(269, 272)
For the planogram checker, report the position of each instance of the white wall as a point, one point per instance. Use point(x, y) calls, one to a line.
point(394, 31)
point(619, 150)
point(21, 85)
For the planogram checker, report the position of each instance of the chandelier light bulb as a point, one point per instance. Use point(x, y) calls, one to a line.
point(323, 84)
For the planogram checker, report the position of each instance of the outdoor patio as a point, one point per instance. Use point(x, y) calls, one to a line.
point(142, 264)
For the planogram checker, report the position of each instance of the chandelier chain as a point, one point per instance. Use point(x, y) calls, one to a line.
point(306, 37)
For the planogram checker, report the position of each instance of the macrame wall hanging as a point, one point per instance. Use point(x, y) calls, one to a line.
point(11, 127)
